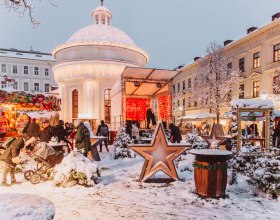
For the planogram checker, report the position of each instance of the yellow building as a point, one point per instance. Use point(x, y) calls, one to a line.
point(256, 55)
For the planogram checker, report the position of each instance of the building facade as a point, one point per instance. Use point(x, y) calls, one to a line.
point(256, 56)
point(31, 70)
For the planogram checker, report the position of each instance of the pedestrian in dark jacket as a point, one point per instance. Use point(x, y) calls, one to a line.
point(60, 131)
point(68, 129)
point(128, 128)
point(175, 134)
point(10, 159)
point(149, 114)
point(82, 137)
point(103, 130)
point(24, 131)
point(33, 129)
point(276, 136)
point(48, 132)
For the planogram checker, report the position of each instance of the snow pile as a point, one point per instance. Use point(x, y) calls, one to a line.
point(263, 172)
point(25, 206)
point(43, 150)
point(76, 169)
point(196, 141)
point(121, 149)
point(245, 103)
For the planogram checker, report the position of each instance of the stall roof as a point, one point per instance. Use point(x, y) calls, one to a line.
point(151, 81)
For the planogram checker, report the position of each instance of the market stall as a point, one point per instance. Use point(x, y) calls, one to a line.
point(144, 88)
point(17, 106)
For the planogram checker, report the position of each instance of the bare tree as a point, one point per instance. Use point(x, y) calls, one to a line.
point(215, 83)
point(23, 6)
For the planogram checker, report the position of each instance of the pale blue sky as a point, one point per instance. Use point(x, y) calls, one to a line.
point(171, 31)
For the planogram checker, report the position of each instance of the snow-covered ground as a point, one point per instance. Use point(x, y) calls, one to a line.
point(120, 196)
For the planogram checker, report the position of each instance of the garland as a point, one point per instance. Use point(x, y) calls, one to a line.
point(213, 167)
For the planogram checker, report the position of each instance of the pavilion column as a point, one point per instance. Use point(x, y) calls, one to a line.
point(88, 101)
point(96, 100)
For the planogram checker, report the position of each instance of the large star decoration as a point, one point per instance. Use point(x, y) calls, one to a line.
point(214, 139)
point(158, 155)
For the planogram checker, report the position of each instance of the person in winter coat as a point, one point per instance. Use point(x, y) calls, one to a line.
point(33, 129)
point(175, 134)
point(149, 114)
point(82, 137)
point(48, 132)
point(24, 131)
point(128, 128)
point(103, 130)
point(276, 136)
point(60, 131)
point(10, 159)
point(68, 129)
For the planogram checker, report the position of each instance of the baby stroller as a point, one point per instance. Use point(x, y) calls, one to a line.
point(46, 158)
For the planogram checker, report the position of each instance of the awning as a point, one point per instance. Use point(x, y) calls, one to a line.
point(146, 81)
point(198, 116)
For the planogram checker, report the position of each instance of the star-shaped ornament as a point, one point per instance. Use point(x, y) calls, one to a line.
point(216, 137)
point(159, 155)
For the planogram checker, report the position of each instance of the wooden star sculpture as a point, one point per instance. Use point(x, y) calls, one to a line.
point(216, 137)
point(158, 155)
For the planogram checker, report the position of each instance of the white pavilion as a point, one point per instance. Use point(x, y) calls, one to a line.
point(89, 67)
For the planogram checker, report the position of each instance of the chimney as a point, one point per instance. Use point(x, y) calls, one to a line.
point(196, 58)
point(227, 42)
point(275, 16)
point(251, 29)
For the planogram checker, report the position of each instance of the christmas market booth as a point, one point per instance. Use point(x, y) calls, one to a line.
point(144, 88)
point(17, 106)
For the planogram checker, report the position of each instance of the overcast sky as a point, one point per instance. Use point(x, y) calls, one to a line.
point(173, 32)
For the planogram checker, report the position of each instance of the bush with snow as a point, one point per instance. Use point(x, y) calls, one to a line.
point(121, 149)
point(76, 169)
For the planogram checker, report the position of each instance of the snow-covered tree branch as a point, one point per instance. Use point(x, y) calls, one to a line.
point(215, 83)
point(23, 6)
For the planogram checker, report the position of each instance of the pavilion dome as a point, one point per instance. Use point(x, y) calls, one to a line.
point(101, 34)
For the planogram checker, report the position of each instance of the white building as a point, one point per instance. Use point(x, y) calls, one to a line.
point(30, 69)
point(89, 67)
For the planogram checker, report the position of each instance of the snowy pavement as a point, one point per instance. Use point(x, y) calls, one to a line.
point(120, 196)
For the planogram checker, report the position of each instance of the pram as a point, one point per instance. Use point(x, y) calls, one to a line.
point(46, 158)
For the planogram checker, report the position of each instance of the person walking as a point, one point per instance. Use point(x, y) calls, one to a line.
point(33, 129)
point(175, 134)
point(103, 130)
point(10, 159)
point(82, 137)
point(48, 132)
point(149, 114)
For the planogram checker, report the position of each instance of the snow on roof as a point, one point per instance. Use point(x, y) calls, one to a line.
point(102, 8)
point(202, 115)
point(20, 54)
point(101, 33)
point(249, 103)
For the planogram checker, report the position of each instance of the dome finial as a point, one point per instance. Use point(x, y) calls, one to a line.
point(102, 2)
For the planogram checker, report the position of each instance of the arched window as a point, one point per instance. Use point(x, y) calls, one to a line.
point(107, 106)
point(75, 103)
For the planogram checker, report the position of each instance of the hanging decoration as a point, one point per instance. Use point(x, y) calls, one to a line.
point(27, 101)
point(165, 108)
point(136, 108)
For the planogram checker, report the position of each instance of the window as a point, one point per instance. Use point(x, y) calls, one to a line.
point(189, 103)
point(36, 87)
point(3, 85)
point(184, 102)
point(15, 69)
point(256, 89)
point(47, 87)
point(75, 103)
point(36, 71)
point(107, 107)
point(96, 19)
point(25, 70)
point(229, 68)
point(276, 52)
point(25, 86)
point(195, 104)
point(174, 88)
point(103, 19)
point(276, 85)
point(189, 83)
point(46, 72)
point(15, 86)
point(184, 85)
point(242, 64)
point(178, 87)
point(256, 60)
point(3, 68)
point(178, 103)
point(241, 91)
